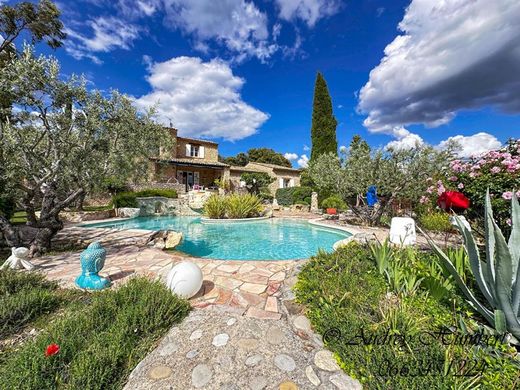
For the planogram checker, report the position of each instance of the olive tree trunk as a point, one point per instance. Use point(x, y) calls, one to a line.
point(37, 233)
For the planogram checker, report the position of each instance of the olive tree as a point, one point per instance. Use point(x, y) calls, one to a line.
point(62, 141)
point(398, 174)
point(256, 182)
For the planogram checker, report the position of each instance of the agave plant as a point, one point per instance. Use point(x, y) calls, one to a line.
point(498, 277)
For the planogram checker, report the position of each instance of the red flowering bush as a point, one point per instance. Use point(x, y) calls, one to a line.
point(498, 170)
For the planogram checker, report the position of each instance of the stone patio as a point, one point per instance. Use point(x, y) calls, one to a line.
point(251, 285)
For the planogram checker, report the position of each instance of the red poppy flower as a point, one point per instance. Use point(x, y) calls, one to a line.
point(52, 349)
point(453, 200)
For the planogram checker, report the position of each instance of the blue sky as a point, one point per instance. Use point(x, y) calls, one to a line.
point(242, 72)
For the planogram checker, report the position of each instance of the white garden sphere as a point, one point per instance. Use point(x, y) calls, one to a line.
point(184, 279)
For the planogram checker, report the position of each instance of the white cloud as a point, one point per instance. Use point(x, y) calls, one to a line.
point(306, 148)
point(310, 11)
point(138, 8)
point(452, 55)
point(474, 144)
point(291, 156)
point(303, 161)
point(408, 141)
point(202, 99)
point(380, 11)
point(237, 24)
point(343, 149)
point(108, 33)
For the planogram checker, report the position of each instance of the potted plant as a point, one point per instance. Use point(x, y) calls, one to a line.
point(332, 204)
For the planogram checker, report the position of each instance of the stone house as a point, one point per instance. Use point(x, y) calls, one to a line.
point(193, 163)
point(283, 176)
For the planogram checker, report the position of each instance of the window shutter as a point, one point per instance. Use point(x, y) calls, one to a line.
point(280, 181)
point(291, 183)
point(201, 151)
point(188, 150)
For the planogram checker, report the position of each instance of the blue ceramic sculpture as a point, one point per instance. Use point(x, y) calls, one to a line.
point(372, 196)
point(92, 261)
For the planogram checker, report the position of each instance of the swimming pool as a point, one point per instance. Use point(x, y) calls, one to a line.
point(273, 239)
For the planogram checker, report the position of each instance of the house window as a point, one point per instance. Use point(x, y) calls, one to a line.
point(194, 150)
point(286, 183)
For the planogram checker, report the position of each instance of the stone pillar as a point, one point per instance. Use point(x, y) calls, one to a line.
point(314, 202)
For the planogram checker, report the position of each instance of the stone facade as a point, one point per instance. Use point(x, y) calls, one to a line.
point(191, 163)
point(283, 176)
point(194, 162)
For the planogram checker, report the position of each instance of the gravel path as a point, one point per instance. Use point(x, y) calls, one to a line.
point(220, 348)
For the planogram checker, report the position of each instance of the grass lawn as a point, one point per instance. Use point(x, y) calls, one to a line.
point(102, 336)
point(19, 217)
point(349, 302)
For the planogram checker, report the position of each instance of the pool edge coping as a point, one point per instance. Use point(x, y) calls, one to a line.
point(339, 243)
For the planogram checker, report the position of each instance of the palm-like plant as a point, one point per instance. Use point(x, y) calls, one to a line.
point(498, 276)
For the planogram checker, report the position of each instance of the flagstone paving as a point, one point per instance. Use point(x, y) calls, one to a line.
point(251, 285)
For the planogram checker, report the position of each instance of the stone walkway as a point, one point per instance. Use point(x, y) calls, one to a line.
point(220, 348)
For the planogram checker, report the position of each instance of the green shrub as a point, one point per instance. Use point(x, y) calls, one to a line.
point(215, 207)
point(243, 206)
point(293, 195)
point(23, 298)
point(166, 193)
point(334, 202)
point(114, 185)
point(100, 341)
point(436, 222)
point(265, 196)
point(347, 298)
point(284, 196)
point(125, 199)
point(302, 194)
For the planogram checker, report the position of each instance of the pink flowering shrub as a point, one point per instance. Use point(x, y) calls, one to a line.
point(498, 170)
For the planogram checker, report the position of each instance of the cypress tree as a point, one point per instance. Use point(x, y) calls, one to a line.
point(323, 130)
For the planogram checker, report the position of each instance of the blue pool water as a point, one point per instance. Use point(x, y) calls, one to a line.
point(273, 239)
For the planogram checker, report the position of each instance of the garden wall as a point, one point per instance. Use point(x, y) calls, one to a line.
point(158, 205)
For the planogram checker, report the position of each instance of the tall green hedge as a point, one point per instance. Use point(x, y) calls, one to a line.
point(293, 195)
